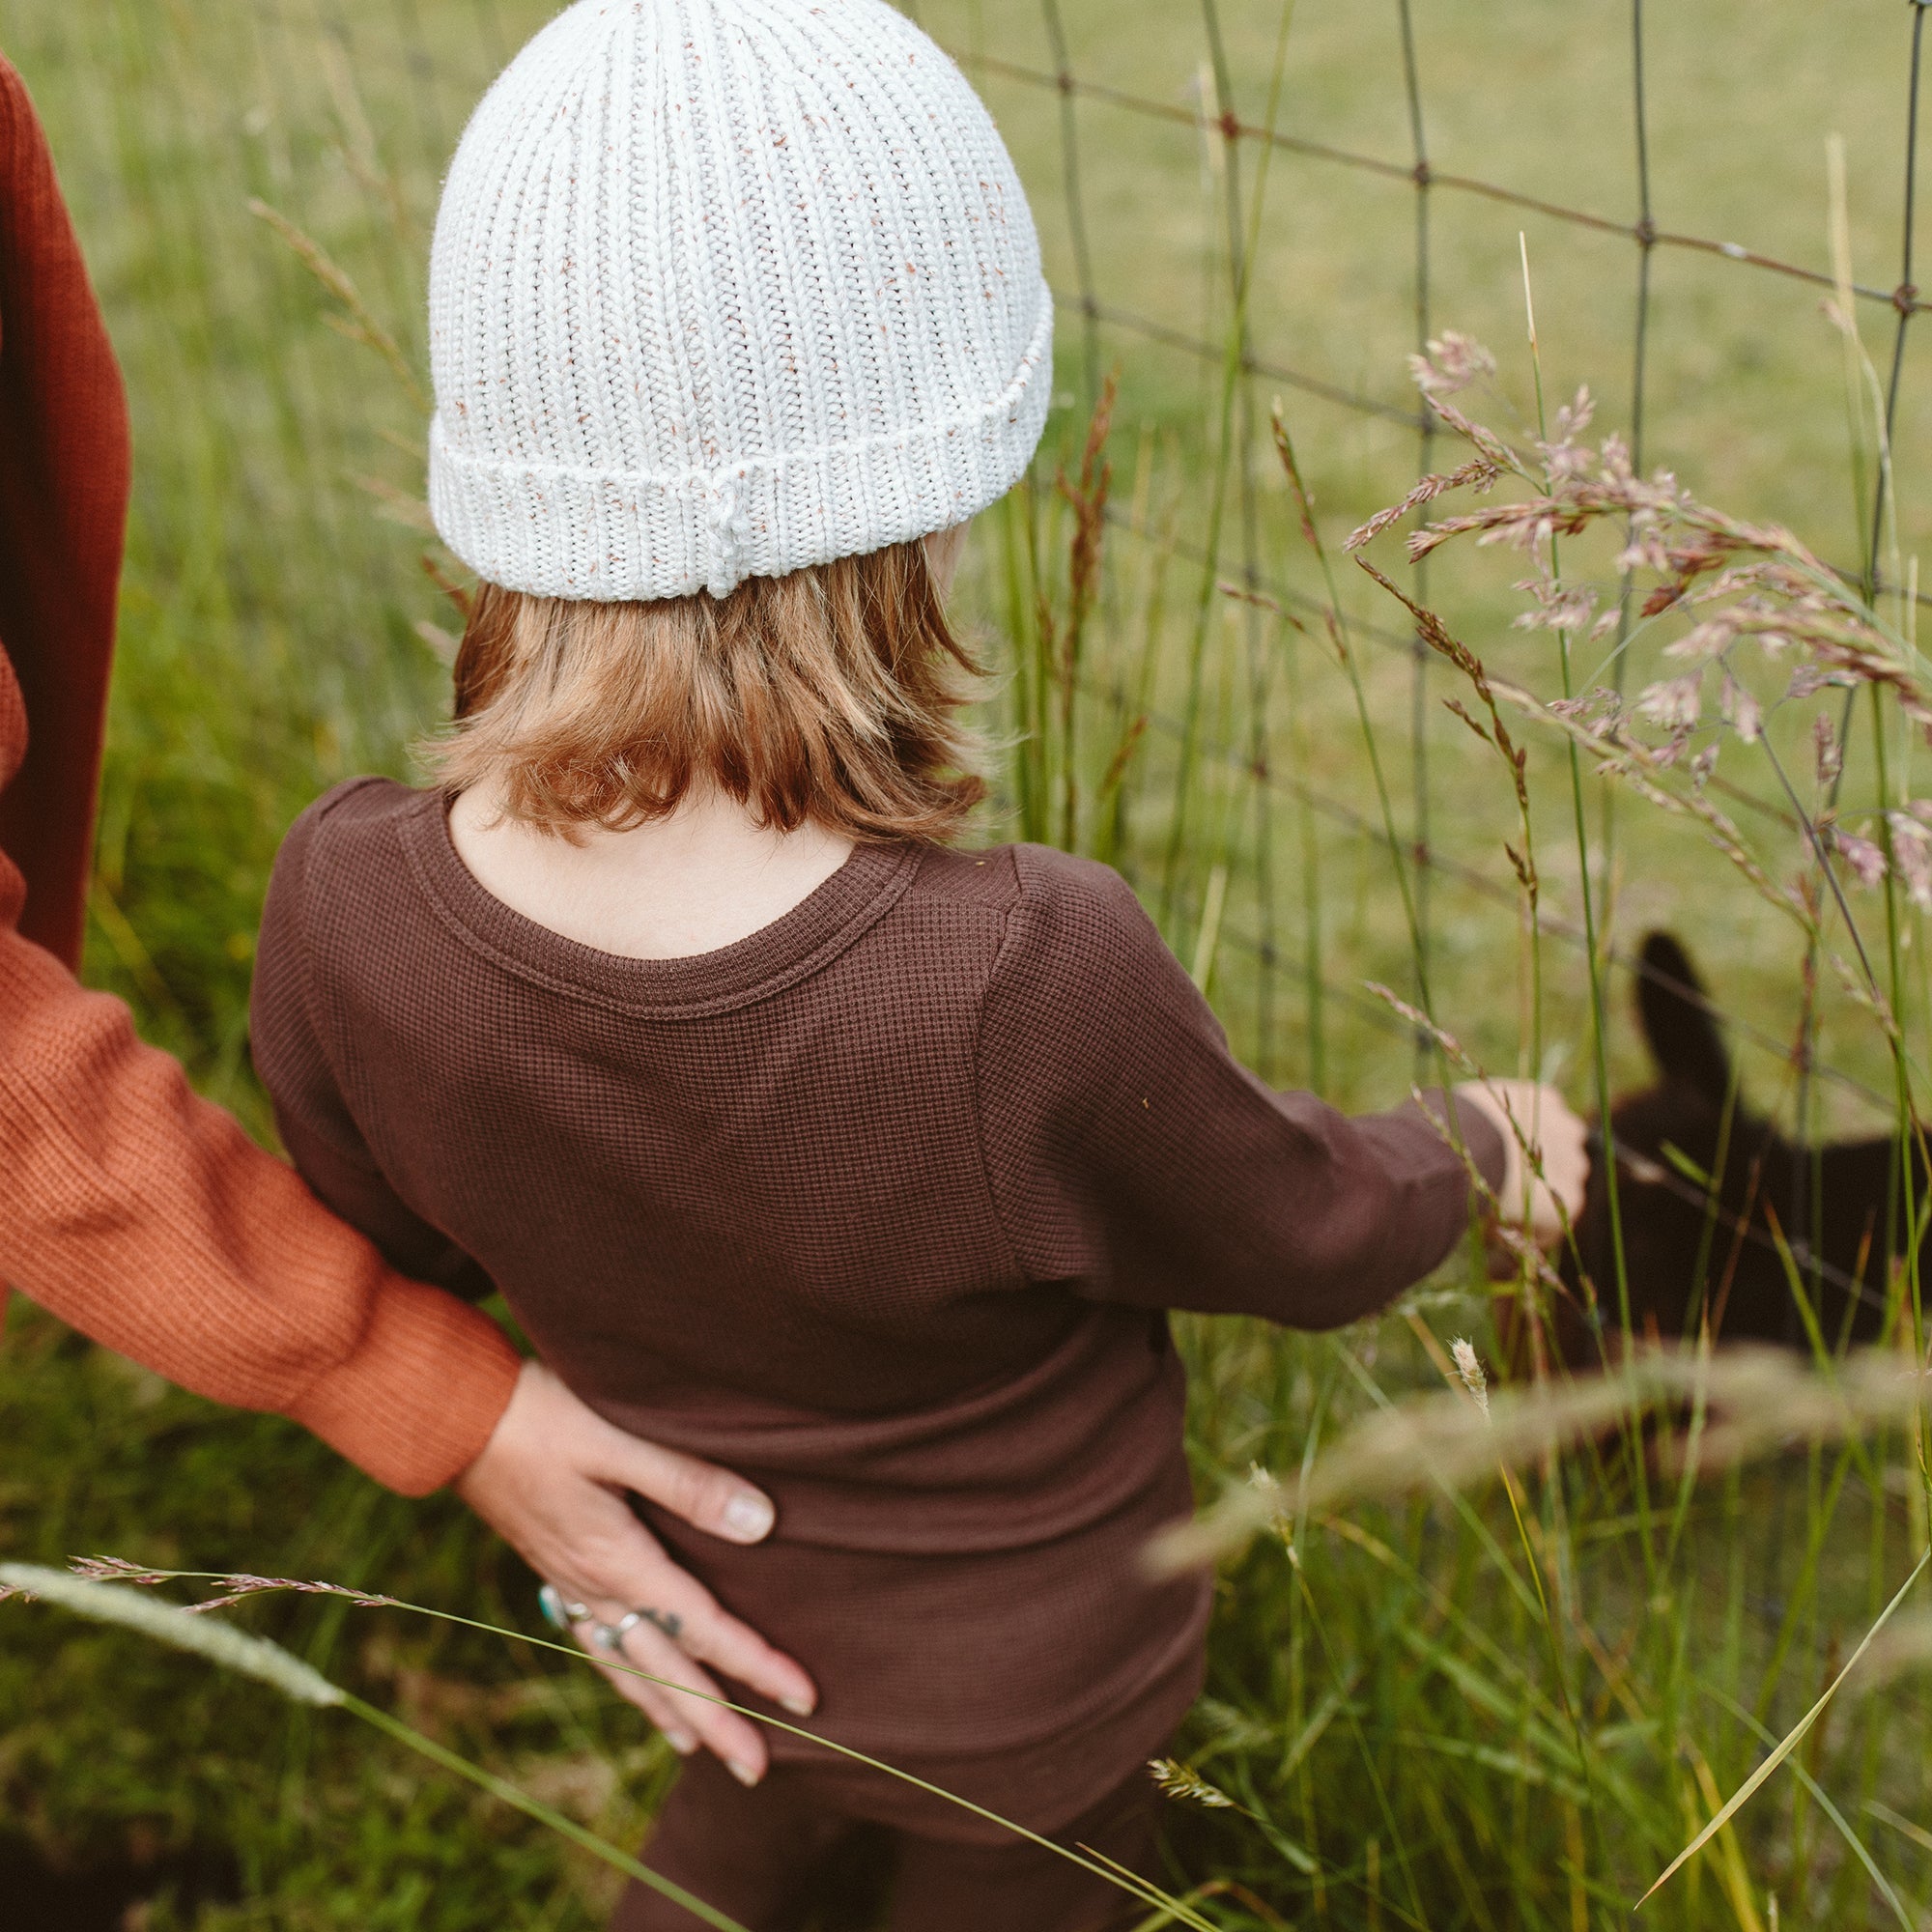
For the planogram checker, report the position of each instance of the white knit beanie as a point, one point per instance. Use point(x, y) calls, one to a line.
point(723, 288)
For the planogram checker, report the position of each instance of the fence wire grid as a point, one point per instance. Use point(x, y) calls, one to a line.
point(1214, 117)
point(342, 113)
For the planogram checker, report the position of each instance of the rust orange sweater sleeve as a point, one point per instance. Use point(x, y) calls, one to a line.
point(149, 1220)
point(129, 1206)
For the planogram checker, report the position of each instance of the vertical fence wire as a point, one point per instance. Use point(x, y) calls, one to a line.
point(1076, 209)
point(1236, 355)
point(1240, 269)
point(1884, 498)
point(1904, 296)
point(1645, 235)
point(1806, 1204)
point(1425, 461)
point(1646, 243)
point(1646, 239)
point(498, 29)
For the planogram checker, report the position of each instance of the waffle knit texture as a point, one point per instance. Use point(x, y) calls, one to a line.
point(723, 288)
point(882, 1206)
point(133, 1209)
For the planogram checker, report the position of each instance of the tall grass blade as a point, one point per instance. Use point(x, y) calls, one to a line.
point(1787, 1745)
point(235, 1588)
point(216, 1642)
point(269, 1663)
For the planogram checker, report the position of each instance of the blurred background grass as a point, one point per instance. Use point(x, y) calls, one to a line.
point(280, 632)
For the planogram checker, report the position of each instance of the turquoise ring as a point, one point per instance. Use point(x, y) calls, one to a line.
point(558, 1613)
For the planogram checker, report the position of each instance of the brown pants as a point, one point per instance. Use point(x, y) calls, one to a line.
point(755, 1855)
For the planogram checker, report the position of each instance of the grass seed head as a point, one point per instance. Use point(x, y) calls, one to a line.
point(169, 1623)
point(1454, 360)
point(1177, 1781)
point(1469, 1366)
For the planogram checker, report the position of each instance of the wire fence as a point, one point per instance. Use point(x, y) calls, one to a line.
point(1231, 551)
point(327, 108)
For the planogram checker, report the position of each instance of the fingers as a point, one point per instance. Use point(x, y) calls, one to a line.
point(707, 1497)
point(1495, 1102)
point(646, 1577)
point(689, 1722)
point(550, 1481)
point(1561, 1141)
point(744, 1656)
point(1563, 1159)
point(1566, 1161)
point(552, 1453)
point(708, 1631)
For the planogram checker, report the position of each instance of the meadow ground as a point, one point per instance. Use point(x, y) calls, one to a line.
point(1390, 1715)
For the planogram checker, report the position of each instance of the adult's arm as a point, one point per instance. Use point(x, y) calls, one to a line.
point(126, 1204)
point(1133, 1157)
point(146, 1218)
point(141, 1214)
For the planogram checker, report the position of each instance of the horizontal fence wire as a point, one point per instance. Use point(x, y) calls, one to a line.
point(1419, 174)
point(1214, 116)
point(1244, 569)
point(1348, 819)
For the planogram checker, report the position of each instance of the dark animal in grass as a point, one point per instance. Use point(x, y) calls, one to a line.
point(1686, 1255)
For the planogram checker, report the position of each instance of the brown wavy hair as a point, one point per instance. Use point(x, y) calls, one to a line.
point(830, 695)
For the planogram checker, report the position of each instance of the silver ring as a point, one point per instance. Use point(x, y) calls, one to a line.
point(611, 1636)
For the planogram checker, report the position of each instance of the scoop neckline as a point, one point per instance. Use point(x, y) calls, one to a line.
point(822, 924)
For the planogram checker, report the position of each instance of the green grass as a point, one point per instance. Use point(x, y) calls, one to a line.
point(111, 1749)
point(1389, 1710)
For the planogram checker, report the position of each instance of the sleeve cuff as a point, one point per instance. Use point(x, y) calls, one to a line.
point(417, 1400)
point(1483, 1136)
point(1429, 1193)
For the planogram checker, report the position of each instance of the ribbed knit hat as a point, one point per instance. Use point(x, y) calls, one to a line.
point(723, 288)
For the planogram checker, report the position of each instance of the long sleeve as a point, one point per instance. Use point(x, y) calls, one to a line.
point(146, 1218)
point(65, 462)
point(311, 1114)
point(1133, 1158)
point(133, 1209)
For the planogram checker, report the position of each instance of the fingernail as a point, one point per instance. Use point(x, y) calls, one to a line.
point(748, 1516)
point(799, 1707)
point(681, 1742)
point(743, 1772)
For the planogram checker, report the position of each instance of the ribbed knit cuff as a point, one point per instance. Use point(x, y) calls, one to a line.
point(553, 530)
point(416, 1401)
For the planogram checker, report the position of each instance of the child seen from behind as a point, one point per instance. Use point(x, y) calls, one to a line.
point(794, 1135)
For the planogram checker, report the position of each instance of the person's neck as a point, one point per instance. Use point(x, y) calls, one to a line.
point(703, 878)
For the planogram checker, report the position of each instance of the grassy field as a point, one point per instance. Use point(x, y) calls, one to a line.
point(1386, 1709)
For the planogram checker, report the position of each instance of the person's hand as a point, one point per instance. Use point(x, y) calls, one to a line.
point(551, 1482)
point(1547, 1202)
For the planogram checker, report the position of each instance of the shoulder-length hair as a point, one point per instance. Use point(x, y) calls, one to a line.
point(832, 694)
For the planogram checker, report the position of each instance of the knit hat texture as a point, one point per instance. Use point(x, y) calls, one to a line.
point(723, 288)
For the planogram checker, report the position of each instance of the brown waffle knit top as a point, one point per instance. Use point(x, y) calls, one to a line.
point(882, 1206)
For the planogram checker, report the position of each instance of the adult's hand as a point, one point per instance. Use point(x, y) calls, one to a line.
point(550, 1481)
